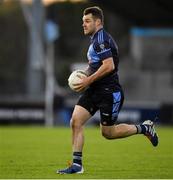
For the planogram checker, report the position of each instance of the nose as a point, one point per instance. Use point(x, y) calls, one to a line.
point(83, 24)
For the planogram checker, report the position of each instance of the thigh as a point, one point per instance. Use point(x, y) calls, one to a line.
point(80, 115)
point(87, 101)
point(110, 107)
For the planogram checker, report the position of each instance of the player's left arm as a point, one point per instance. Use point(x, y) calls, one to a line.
point(106, 68)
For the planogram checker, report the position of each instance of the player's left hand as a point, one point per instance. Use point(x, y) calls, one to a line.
point(82, 85)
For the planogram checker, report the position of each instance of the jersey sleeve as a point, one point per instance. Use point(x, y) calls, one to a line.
point(103, 49)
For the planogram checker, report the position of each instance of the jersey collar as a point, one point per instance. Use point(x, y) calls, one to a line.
point(94, 35)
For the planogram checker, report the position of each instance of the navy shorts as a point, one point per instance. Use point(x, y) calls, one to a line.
point(109, 102)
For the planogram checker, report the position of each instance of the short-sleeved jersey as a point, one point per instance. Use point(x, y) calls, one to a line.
point(102, 47)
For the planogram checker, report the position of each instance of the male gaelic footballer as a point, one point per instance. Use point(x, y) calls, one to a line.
point(104, 93)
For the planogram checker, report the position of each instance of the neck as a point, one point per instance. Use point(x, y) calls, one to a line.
point(97, 29)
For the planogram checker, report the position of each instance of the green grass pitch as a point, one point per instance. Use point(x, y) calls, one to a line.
point(37, 152)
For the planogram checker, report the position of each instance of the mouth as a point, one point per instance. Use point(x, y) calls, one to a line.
point(85, 30)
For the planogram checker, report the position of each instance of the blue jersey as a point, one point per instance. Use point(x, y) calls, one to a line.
point(102, 47)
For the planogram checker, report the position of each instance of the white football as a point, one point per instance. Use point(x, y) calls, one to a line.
point(75, 78)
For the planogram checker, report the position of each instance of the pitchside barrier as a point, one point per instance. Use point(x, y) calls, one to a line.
point(27, 112)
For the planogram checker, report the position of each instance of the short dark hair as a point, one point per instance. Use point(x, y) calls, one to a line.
point(96, 12)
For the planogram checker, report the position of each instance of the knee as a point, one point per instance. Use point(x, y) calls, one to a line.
point(75, 123)
point(107, 135)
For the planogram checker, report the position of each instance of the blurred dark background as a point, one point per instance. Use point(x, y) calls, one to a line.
point(31, 57)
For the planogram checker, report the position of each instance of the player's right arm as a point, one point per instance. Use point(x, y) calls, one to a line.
point(106, 68)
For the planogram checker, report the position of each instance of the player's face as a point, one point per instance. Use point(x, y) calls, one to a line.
point(89, 24)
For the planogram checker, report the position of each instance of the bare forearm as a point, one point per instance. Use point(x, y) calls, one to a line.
point(101, 72)
point(104, 69)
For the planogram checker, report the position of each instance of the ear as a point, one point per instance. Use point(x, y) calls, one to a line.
point(98, 22)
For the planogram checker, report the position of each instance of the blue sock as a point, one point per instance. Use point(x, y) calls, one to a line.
point(77, 157)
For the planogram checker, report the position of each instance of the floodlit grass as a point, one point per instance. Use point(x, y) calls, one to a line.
point(37, 152)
